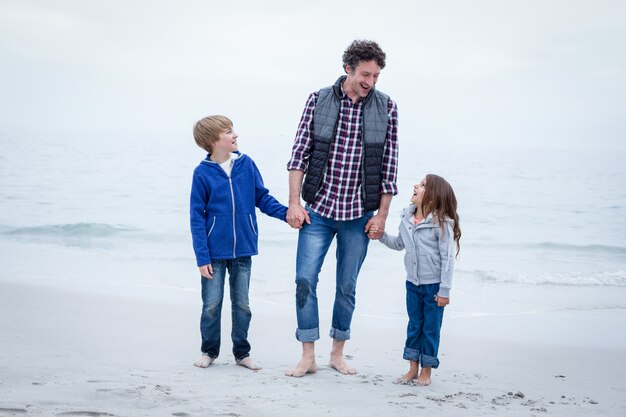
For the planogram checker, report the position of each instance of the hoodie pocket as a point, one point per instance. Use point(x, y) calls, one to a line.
point(427, 266)
point(252, 225)
point(212, 227)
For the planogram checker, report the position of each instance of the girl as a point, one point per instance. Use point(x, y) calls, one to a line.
point(429, 229)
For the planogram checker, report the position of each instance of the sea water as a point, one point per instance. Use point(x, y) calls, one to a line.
point(107, 211)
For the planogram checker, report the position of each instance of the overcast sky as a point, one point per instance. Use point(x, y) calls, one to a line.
point(539, 72)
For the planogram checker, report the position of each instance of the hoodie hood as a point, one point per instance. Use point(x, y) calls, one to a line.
point(407, 214)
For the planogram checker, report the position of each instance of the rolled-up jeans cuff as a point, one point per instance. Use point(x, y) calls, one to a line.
point(411, 355)
point(429, 361)
point(307, 335)
point(339, 334)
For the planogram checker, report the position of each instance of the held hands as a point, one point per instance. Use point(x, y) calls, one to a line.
point(297, 215)
point(442, 301)
point(206, 271)
point(375, 227)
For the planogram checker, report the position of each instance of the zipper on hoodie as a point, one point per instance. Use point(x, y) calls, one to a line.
point(232, 197)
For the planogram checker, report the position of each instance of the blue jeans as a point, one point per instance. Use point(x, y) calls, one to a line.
point(425, 318)
point(212, 297)
point(313, 242)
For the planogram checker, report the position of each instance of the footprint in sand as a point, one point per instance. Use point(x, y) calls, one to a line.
point(506, 399)
point(457, 399)
point(164, 389)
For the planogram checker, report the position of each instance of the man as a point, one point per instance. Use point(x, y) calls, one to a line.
point(346, 145)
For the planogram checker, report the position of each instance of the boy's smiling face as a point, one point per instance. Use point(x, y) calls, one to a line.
point(227, 142)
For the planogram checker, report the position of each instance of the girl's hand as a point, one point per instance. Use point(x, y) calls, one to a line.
point(375, 227)
point(206, 271)
point(441, 301)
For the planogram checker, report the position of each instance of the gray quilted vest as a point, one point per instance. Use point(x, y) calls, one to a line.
point(375, 119)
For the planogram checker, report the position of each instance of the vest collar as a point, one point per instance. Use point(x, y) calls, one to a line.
point(338, 89)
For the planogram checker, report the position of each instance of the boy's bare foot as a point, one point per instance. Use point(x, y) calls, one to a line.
point(339, 363)
point(204, 361)
point(306, 365)
point(247, 362)
point(424, 378)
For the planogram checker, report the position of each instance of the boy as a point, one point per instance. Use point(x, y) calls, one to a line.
point(226, 188)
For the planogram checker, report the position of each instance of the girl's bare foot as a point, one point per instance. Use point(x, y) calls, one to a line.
point(247, 362)
point(424, 378)
point(204, 361)
point(411, 375)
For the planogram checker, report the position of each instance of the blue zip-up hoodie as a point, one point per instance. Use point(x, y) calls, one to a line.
point(222, 209)
point(429, 257)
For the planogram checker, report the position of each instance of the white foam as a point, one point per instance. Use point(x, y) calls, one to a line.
point(617, 278)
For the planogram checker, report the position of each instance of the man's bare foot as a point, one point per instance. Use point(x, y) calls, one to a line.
point(339, 363)
point(204, 361)
point(424, 378)
point(306, 365)
point(337, 360)
point(247, 362)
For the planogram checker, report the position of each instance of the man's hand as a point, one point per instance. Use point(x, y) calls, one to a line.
point(442, 301)
point(206, 271)
point(375, 227)
point(297, 215)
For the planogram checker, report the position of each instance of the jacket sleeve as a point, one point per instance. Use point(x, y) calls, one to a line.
point(446, 251)
point(393, 242)
point(198, 218)
point(264, 200)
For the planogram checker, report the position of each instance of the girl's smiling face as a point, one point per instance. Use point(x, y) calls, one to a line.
point(418, 193)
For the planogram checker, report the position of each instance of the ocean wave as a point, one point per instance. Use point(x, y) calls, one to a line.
point(617, 279)
point(554, 246)
point(72, 230)
point(583, 248)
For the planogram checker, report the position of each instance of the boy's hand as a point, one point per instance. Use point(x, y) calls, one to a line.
point(297, 215)
point(206, 271)
point(442, 301)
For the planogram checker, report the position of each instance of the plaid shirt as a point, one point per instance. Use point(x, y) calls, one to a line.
point(340, 196)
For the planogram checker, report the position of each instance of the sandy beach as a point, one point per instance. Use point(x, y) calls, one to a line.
point(75, 353)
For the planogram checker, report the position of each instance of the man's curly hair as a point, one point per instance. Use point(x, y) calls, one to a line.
point(362, 50)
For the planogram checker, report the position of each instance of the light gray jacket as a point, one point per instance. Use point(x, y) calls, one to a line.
point(429, 257)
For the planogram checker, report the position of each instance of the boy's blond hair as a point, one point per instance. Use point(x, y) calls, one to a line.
point(207, 130)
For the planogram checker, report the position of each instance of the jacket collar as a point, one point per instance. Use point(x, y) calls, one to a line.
point(429, 221)
point(208, 158)
point(407, 217)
